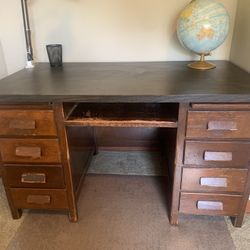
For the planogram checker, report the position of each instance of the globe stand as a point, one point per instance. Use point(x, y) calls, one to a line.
point(202, 64)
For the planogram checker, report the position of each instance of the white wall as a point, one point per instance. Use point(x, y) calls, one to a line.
point(3, 68)
point(99, 30)
point(12, 43)
point(240, 53)
point(114, 30)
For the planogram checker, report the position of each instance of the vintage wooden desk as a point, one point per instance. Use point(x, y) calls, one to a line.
point(53, 120)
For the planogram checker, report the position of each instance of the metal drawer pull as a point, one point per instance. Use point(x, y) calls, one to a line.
point(33, 178)
point(218, 156)
point(222, 125)
point(31, 152)
point(39, 199)
point(210, 205)
point(22, 124)
point(213, 182)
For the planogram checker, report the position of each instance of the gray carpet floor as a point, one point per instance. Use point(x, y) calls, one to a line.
point(128, 163)
point(8, 227)
point(240, 236)
point(121, 213)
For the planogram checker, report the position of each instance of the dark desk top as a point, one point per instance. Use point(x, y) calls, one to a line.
point(127, 82)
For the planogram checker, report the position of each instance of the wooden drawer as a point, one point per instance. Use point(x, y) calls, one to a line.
point(27, 122)
point(30, 151)
point(217, 154)
point(214, 179)
point(210, 204)
point(34, 176)
point(39, 198)
point(218, 124)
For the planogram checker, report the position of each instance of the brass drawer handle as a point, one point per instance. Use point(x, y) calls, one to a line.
point(222, 125)
point(33, 178)
point(39, 199)
point(213, 182)
point(218, 156)
point(22, 124)
point(210, 205)
point(30, 152)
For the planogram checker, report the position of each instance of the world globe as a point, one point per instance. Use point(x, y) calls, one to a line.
point(202, 27)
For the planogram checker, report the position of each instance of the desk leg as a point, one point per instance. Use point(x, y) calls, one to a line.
point(63, 141)
point(181, 130)
point(73, 216)
point(237, 221)
point(15, 212)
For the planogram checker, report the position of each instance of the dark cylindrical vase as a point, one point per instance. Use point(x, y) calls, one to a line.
point(55, 54)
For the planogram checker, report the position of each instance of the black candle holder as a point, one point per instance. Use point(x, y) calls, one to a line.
point(55, 54)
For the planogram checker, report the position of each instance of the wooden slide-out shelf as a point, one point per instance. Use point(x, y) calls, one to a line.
point(162, 115)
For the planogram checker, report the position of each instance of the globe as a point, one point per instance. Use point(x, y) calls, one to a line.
point(202, 27)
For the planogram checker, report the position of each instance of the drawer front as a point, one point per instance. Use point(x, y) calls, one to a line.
point(30, 151)
point(218, 124)
point(27, 122)
point(214, 179)
point(217, 154)
point(210, 204)
point(34, 176)
point(39, 198)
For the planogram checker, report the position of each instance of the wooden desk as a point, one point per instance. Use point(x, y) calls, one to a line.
point(53, 120)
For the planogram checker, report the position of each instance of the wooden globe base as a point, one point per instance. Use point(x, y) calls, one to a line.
point(202, 64)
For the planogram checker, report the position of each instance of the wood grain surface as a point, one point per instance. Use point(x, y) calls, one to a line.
point(14, 176)
point(127, 82)
point(230, 204)
point(30, 150)
point(219, 154)
point(39, 198)
point(28, 122)
point(218, 124)
point(217, 179)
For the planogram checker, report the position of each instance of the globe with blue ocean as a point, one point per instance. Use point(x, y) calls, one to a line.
point(203, 26)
